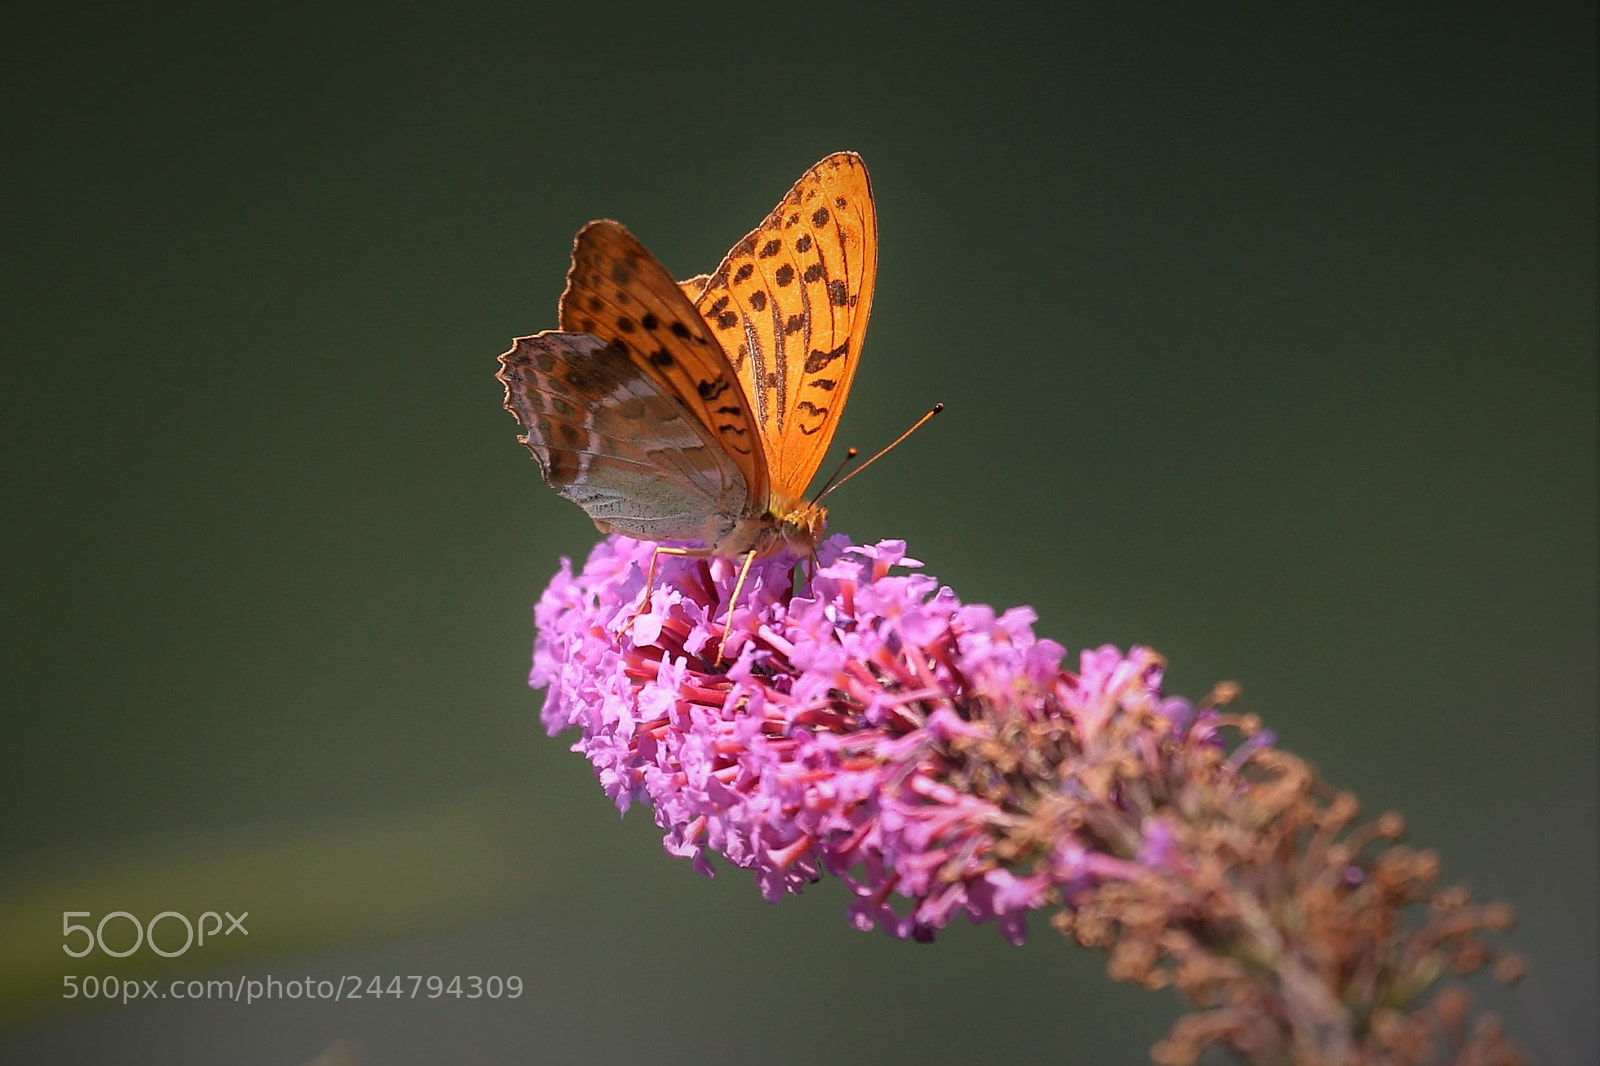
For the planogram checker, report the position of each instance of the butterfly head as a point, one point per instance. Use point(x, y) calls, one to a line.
point(801, 524)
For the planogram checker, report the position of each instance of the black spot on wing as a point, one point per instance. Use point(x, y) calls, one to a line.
point(719, 313)
point(784, 275)
point(758, 300)
point(819, 359)
point(744, 272)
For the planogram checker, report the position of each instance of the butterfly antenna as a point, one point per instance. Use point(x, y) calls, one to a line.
point(935, 409)
point(826, 485)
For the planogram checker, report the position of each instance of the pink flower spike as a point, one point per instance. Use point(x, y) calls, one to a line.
point(940, 760)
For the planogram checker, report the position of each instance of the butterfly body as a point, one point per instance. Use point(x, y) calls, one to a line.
point(698, 412)
point(784, 523)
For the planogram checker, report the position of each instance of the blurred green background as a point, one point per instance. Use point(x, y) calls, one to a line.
point(1268, 338)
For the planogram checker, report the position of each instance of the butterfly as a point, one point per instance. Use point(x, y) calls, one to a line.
point(699, 411)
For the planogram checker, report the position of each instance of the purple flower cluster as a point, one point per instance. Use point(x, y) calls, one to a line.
point(865, 726)
point(941, 760)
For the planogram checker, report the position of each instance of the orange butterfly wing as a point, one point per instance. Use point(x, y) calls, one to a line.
point(789, 306)
point(619, 292)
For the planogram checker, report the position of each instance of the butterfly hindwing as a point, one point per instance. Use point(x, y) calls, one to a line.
point(617, 291)
point(608, 437)
point(789, 306)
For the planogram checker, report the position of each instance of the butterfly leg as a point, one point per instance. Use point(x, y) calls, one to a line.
point(650, 578)
point(738, 587)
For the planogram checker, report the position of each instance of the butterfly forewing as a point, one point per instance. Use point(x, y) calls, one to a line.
point(617, 291)
point(609, 438)
point(789, 306)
